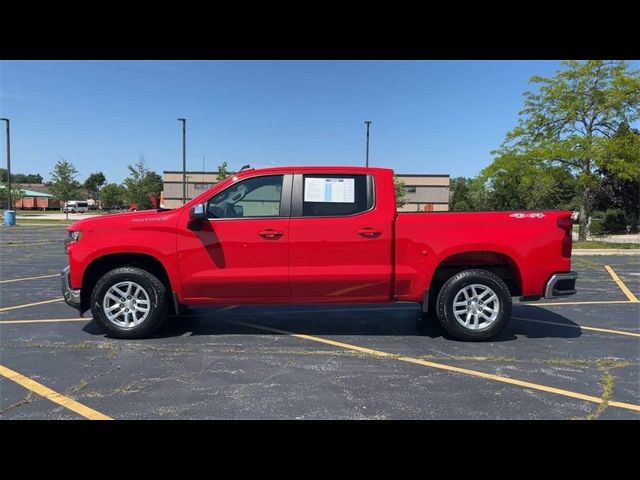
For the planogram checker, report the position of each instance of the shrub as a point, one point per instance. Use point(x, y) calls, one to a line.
point(615, 221)
point(596, 227)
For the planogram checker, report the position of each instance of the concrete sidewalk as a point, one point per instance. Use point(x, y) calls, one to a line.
point(605, 251)
point(626, 238)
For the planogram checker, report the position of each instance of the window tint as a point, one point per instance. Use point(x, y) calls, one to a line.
point(333, 195)
point(254, 197)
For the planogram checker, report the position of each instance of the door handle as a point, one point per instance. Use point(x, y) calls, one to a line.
point(369, 232)
point(270, 233)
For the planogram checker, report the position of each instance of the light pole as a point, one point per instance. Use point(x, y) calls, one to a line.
point(367, 159)
point(9, 205)
point(184, 159)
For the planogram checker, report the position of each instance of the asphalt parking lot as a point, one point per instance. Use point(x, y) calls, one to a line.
point(561, 359)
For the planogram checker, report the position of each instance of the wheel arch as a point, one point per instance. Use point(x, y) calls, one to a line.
point(101, 265)
point(501, 264)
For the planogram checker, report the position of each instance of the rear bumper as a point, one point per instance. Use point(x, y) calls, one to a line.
point(561, 285)
point(71, 295)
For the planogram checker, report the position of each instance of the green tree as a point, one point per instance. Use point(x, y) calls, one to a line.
point(401, 192)
point(112, 195)
point(20, 177)
point(94, 183)
point(16, 194)
point(469, 194)
point(222, 172)
point(572, 120)
point(459, 194)
point(140, 183)
point(516, 185)
point(64, 185)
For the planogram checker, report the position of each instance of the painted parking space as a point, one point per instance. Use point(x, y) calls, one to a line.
point(211, 364)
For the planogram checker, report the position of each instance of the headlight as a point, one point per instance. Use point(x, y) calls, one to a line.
point(74, 236)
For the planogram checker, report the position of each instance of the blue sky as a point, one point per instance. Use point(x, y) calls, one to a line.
point(428, 116)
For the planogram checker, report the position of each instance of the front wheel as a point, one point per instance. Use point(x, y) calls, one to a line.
point(474, 305)
point(129, 302)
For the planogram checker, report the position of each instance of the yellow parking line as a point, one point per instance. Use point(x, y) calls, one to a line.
point(29, 278)
point(48, 320)
point(51, 395)
point(449, 368)
point(603, 302)
point(6, 309)
point(620, 283)
point(581, 327)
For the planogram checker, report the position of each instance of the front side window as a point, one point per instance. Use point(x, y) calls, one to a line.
point(335, 195)
point(254, 197)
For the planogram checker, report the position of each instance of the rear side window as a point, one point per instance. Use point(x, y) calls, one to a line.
point(336, 195)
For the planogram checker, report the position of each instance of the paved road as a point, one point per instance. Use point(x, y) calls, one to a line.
point(556, 360)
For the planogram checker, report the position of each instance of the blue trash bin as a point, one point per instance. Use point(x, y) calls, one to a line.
point(9, 217)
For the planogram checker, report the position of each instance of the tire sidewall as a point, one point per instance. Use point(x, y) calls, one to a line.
point(450, 290)
point(157, 305)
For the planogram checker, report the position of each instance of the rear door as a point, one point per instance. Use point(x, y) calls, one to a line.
point(340, 239)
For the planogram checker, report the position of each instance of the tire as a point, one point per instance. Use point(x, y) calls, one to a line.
point(474, 305)
point(147, 307)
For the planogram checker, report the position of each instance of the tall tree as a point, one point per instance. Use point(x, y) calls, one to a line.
point(571, 121)
point(64, 185)
point(140, 183)
point(516, 185)
point(222, 172)
point(94, 183)
point(112, 195)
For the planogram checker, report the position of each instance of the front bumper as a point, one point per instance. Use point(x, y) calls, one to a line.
point(71, 295)
point(561, 285)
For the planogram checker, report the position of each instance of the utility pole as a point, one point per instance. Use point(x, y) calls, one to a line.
point(9, 204)
point(368, 122)
point(184, 159)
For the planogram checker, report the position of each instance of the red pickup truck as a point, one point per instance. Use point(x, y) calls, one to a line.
point(314, 235)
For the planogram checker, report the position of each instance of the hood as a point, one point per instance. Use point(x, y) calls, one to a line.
point(125, 220)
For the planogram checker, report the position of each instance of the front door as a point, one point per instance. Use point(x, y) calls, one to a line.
point(242, 248)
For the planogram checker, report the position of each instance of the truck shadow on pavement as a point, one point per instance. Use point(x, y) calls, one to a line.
point(345, 321)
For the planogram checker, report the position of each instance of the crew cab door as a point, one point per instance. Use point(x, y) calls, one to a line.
point(241, 249)
point(340, 239)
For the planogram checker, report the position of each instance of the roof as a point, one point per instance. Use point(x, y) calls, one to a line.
point(32, 193)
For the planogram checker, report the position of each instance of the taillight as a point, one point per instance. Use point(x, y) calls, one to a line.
point(566, 224)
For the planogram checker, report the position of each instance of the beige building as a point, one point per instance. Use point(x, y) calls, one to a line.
point(425, 193)
point(197, 182)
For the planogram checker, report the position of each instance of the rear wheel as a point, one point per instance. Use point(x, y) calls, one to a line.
point(474, 305)
point(129, 302)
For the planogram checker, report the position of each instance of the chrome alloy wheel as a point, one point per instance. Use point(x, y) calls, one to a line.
point(476, 307)
point(126, 304)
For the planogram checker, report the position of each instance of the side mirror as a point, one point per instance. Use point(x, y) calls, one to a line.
point(196, 216)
